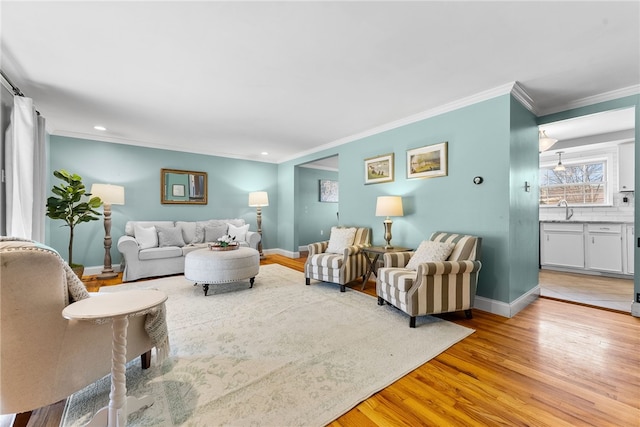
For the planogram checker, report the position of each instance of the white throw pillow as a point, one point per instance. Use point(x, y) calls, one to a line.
point(170, 236)
point(147, 237)
point(340, 238)
point(430, 251)
point(239, 232)
point(213, 232)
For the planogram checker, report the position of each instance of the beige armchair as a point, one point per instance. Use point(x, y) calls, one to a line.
point(339, 259)
point(46, 358)
point(434, 287)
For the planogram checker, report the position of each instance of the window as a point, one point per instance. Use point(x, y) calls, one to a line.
point(579, 184)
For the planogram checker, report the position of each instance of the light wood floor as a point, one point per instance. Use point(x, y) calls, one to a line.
point(554, 364)
point(599, 291)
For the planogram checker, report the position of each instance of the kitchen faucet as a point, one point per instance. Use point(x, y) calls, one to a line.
point(568, 213)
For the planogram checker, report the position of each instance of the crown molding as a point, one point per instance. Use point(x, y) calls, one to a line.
point(595, 99)
point(523, 97)
point(451, 106)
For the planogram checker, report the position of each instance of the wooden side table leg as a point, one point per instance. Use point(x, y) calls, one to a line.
point(118, 395)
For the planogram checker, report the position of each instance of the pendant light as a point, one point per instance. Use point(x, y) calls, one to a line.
point(559, 167)
point(544, 142)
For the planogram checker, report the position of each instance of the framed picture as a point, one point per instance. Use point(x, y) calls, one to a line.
point(328, 191)
point(378, 169)
point(177, 190)
point(427, 162)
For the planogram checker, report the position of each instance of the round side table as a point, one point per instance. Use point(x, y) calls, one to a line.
point(117, 306)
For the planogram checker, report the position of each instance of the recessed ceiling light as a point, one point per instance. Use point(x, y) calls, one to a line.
point(98, 127)
point(264, 153)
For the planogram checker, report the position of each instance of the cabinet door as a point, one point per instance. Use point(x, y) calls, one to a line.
point(563, 249)
point(604, 252)
point(626, 167)
point(630, 248)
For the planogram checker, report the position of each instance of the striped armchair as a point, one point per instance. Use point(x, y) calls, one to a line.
point(435, 287)
point(334, 267)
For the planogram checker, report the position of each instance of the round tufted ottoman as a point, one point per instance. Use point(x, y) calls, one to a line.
point(207, 267)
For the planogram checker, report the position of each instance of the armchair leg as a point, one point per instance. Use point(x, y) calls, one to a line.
point(468, 314)
point(380, 301)
point(22, 419)
point(308, 281)
point(412, 322)
point(342, 288)
point(145, 360)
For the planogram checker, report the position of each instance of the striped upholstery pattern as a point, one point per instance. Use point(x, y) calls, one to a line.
point(337, 268)
point(435, 287)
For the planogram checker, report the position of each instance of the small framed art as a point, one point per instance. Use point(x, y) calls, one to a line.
point(427, 162)
point(328, 191)
point(378, 169)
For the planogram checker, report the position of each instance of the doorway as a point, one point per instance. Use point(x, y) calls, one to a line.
point(582, 181)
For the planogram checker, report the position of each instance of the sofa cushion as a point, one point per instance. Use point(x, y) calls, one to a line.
point(159, 253)
point(240, 233)
point(340, 239)
point(129, 228)
point(147, 237)
point(213, 232)
point(188, 229)
point(170, 236)
point(430, 251)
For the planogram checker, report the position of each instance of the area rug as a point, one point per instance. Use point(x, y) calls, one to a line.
point(278, 354)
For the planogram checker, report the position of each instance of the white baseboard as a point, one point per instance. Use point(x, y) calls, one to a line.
point(635, 309)
point(282, 252)
point(505, 309)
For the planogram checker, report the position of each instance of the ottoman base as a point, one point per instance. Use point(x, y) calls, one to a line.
point(206, 267)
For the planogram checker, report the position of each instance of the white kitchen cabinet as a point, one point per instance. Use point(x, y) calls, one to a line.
point(626, 167)
point(604, 247)
point(562, 244)
point(630, 249)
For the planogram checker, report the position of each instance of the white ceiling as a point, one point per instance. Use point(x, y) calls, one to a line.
point(238, 78)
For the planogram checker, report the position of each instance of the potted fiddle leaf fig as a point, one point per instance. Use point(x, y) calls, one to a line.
point(70, 204)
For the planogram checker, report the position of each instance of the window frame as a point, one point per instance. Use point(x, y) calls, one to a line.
point(607, 159)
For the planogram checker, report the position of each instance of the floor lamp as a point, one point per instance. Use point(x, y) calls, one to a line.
point(110, 195)
point(258, 199)
point(388, 206)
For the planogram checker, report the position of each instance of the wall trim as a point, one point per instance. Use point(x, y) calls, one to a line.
point(635, 309)
point(595, 99)
point(505, 309)
point(445, 108)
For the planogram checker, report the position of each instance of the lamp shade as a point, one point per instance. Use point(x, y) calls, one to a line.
point(389, 206)
point(544, 141)
point(109, 194)
point(258, 199)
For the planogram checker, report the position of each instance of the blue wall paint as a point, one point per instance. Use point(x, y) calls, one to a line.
point(138, 170)
point(626, 102)
point(479, 143)
point(313, 215)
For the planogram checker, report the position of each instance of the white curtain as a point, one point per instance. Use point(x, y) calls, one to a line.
point(25, 169)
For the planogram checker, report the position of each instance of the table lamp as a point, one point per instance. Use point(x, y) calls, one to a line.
point(388, 206)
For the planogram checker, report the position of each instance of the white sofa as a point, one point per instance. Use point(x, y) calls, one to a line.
point(144, 257)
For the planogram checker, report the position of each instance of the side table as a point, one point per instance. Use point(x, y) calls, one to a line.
point(373, 254)
point(117, 306)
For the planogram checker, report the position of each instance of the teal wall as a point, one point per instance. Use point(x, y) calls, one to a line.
point(495, 139)
point(138, 170)
point(626, 102)
point(314, 219)
point(479, 143)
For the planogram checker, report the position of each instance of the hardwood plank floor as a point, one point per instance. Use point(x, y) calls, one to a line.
point(554, 364)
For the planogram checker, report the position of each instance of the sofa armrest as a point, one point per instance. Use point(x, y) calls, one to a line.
point(318, 247)
point(352, 250)
point(128, 247)
point(253, 238)
point(397, 259)
point(448, 267)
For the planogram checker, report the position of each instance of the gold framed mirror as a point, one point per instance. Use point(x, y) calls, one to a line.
point(183, 187)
